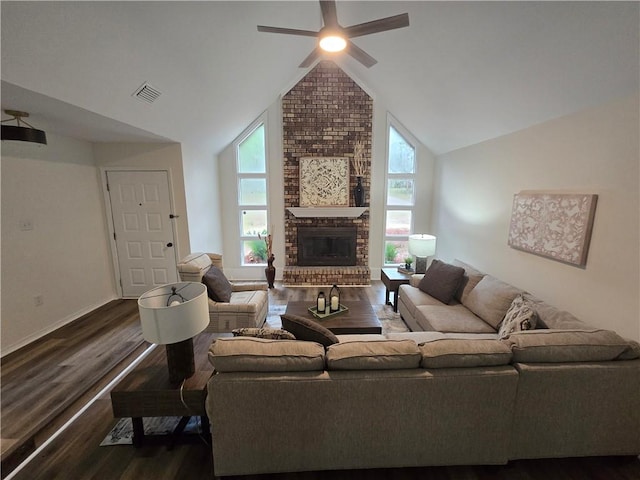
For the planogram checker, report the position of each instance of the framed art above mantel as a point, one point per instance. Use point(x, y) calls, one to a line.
point(324, 181)
point(553, 225)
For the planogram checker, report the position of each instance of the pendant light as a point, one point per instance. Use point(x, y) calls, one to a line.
point(20, 133)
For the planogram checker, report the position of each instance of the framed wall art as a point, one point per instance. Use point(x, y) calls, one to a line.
point(324, 182)
point(553, 225)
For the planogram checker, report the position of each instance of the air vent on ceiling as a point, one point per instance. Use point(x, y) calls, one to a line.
point(147, 93)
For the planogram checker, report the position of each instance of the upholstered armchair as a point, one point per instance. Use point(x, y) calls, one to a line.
point(249, 302)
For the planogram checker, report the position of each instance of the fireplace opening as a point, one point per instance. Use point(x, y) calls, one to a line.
point(326, 246)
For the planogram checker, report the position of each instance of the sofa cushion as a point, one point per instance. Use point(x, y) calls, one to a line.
point(555, 346)
point(520, 316)
point(456, 353)
point(380, 355)
point(470, 279)
point(417, 337)
point(451, 319)
point(412, 297)
point(490, 299)
point(554, 318)
point(441, 280)
point(249, 354)
point(271, 333)
point(305, 329)
point(218, 287)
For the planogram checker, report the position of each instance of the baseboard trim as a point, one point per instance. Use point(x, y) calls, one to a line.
point(53, 327)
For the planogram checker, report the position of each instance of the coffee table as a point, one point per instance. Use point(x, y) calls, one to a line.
point(359, 319)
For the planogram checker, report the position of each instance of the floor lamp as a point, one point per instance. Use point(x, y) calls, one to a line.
point(172, 315)
point(422, 245)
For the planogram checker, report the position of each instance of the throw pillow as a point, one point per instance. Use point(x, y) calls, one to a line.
point(520, 316)
point(218, 287)
point(270, 333)
point(441, 280)
point(305, 329)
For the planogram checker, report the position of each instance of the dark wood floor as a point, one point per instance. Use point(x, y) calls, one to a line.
point(76, 454)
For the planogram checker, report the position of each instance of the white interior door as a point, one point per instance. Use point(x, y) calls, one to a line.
point(144, 236)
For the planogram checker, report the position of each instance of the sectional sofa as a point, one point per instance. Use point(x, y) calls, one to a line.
point(443, 394)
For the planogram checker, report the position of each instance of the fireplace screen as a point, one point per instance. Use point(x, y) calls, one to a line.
point(325, 246)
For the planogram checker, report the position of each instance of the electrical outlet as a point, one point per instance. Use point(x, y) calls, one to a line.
point(38, 300)
point(26, 224)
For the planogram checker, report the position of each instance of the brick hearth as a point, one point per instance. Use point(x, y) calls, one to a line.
point(323, 115)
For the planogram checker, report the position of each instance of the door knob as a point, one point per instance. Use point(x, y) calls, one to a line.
point(169, 244)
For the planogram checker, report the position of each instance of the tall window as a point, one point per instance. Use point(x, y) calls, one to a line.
point(400, 195)
point(251, 154)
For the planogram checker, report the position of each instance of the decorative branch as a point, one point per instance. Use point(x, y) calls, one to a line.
point(269, 242)
point(359, 162)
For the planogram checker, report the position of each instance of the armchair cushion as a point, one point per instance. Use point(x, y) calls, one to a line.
point(218, 287)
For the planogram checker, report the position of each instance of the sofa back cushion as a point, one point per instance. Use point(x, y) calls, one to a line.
point(490, 299)
point(470, 279)
point(558, 346)
point(377, 355)
point(441, 280)
point(250, 354)
point(459, 353)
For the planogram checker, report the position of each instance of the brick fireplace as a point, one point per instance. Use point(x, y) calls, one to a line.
point(323, 115)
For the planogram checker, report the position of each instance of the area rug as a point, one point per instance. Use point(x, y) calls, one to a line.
point(122, 433)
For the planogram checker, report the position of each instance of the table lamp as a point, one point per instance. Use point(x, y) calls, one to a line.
point(172, 315)
point(422, 245)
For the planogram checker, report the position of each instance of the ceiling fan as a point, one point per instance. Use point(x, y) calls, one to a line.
point(332, 37)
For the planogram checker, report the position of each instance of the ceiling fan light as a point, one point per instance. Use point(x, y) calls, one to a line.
point(333, 43)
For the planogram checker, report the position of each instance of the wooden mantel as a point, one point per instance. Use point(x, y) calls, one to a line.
point(320, 212)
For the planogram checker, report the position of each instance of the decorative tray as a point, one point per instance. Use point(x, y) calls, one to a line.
point(327, 314)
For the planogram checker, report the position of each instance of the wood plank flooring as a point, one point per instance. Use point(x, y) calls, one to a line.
point(76, 453)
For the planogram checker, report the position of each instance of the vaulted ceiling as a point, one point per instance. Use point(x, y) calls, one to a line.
point(461, 73)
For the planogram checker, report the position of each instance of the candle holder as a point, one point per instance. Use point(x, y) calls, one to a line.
point(334, 299)
point(321, 303)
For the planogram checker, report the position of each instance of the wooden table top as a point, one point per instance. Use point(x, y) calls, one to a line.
point(359, 319)
point(146, 390)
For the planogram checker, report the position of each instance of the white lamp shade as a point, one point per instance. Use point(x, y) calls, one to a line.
point(164, 324)
point(422, 245)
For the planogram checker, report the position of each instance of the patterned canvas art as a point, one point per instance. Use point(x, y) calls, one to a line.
point(554, 225)
point(324, 182)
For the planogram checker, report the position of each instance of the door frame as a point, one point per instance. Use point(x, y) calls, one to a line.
point(111, 228)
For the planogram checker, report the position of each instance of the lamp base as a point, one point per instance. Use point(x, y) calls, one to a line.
point(180, 360)
point(421, 264)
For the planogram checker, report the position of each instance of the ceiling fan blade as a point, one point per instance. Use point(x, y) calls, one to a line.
point(375, 26)
point(312, 57)
point(287, 31)
point(360, 55)
point(329, 14)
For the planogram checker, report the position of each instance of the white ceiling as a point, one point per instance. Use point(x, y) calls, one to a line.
point(463, 72)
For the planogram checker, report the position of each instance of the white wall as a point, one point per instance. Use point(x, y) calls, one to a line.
point(201, 184)
point(65, 258)
point(594, 151)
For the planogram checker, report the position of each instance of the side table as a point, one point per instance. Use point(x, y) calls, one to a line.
point(147, 392)
point(392, 279)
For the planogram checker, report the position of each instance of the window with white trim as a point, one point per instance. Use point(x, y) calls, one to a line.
point(251, 161)
point(400, 194)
